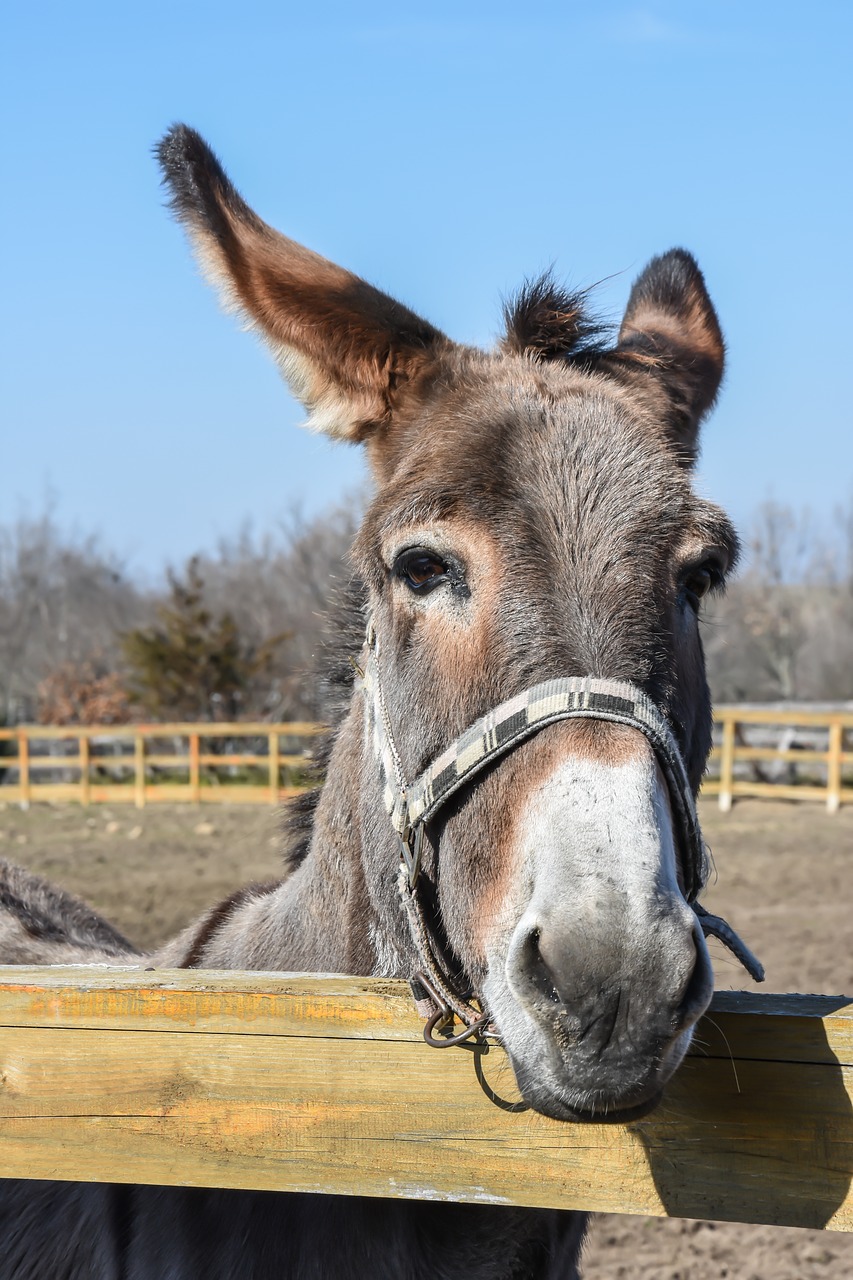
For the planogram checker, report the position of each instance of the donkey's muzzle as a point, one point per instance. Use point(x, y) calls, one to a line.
point(612, 1002)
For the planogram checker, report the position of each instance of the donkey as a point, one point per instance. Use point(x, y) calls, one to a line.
point(525, 719)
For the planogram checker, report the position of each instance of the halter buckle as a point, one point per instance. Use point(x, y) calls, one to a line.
point(411, 848)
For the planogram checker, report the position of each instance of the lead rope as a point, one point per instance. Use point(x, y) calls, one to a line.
point(435, 997)
point(411, 806)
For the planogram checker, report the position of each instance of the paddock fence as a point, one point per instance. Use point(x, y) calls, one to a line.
point(141, 764)
point(317, 1083)
point(791, 753)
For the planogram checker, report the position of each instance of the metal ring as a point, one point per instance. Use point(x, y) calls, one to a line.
point(446, 1042)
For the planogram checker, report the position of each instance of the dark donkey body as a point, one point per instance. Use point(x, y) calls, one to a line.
point(533, 519)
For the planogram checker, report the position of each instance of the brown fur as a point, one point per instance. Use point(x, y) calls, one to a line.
point(351, 351)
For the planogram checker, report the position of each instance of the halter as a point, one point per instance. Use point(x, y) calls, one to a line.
point(411, 805)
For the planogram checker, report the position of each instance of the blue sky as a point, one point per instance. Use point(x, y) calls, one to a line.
point(444, 152)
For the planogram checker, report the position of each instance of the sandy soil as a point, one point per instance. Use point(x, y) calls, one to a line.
point(785, 882)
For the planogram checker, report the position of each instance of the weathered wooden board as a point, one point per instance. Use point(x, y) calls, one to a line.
point(308, 1083)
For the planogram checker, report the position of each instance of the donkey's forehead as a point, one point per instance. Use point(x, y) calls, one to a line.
point(508, 442)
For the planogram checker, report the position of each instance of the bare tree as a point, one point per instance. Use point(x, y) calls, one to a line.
point(63, 600)
point(832, 618)
point(284, 582)
point(785, 628)
point(66, 603)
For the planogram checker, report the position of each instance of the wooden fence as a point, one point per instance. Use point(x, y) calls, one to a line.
point(154, 763)
point(790, 754)
point(300, 1082)
point(793, 754)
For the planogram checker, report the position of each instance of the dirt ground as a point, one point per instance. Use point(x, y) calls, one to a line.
point(785, 880)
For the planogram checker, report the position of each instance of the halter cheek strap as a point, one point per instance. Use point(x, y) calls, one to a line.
point(411, 805)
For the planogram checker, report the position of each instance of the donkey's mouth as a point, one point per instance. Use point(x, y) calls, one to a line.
point(613, 1115)
point(559, 1104)
point(601, 1113)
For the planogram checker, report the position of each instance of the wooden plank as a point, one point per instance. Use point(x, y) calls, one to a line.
point(243, 793)
point(806, 756)
point(85, 791)
point(54, 762)
point(777, 791)
point(236, 729)
point(833, 779)
point(195, 785)
point(139, 771)
point(175, 761)
point(223, 793)
point(345, 1005)
point(112, 793)
point(724, 790)
point(43, 792)
point(274, 766)
point(23, 768)
point(208, 1000)
point(300, 1082)
point(781, 715)
point(163, 793)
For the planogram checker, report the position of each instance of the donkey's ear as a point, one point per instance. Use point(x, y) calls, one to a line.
point(670, 335)
point(349, 352)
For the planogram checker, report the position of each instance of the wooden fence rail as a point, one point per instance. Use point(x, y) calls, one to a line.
point(301, 1082)
point(154, 763)
point(782, 744)
point(756, 749)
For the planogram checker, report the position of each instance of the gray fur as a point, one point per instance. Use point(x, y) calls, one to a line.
point(550, 479)
point(41, 924)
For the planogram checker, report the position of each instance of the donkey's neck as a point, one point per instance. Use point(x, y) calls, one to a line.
point(338, 911)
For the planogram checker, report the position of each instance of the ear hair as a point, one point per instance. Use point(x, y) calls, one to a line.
point(348, 351)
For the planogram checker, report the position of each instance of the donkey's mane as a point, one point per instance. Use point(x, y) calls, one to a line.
point(343, 637)
point(550, 322)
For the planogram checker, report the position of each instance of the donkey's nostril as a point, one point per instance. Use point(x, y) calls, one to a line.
point(536, 969)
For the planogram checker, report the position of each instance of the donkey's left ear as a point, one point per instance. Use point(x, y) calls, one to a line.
point(351, 354)
point(670, 337)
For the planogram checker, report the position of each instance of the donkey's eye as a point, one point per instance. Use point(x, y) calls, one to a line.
point(700, 580)
point(421, 570)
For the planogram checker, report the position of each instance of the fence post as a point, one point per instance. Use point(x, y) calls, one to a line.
point(195, 784)
point(24, 768)
point(833, 766)
point(139, 770)
point(83, 743)
point(727, 764)
point(275, 771)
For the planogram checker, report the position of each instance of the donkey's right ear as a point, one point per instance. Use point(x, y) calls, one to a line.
point(670, 337)
point(350, 353)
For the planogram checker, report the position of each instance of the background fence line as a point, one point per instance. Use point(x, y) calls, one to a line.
point(786, 754)
point(143, 764)
point(782, 754)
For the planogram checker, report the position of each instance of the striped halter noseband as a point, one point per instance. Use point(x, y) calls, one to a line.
point(411, 805)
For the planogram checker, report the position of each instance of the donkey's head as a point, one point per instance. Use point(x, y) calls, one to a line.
point(533, 519)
